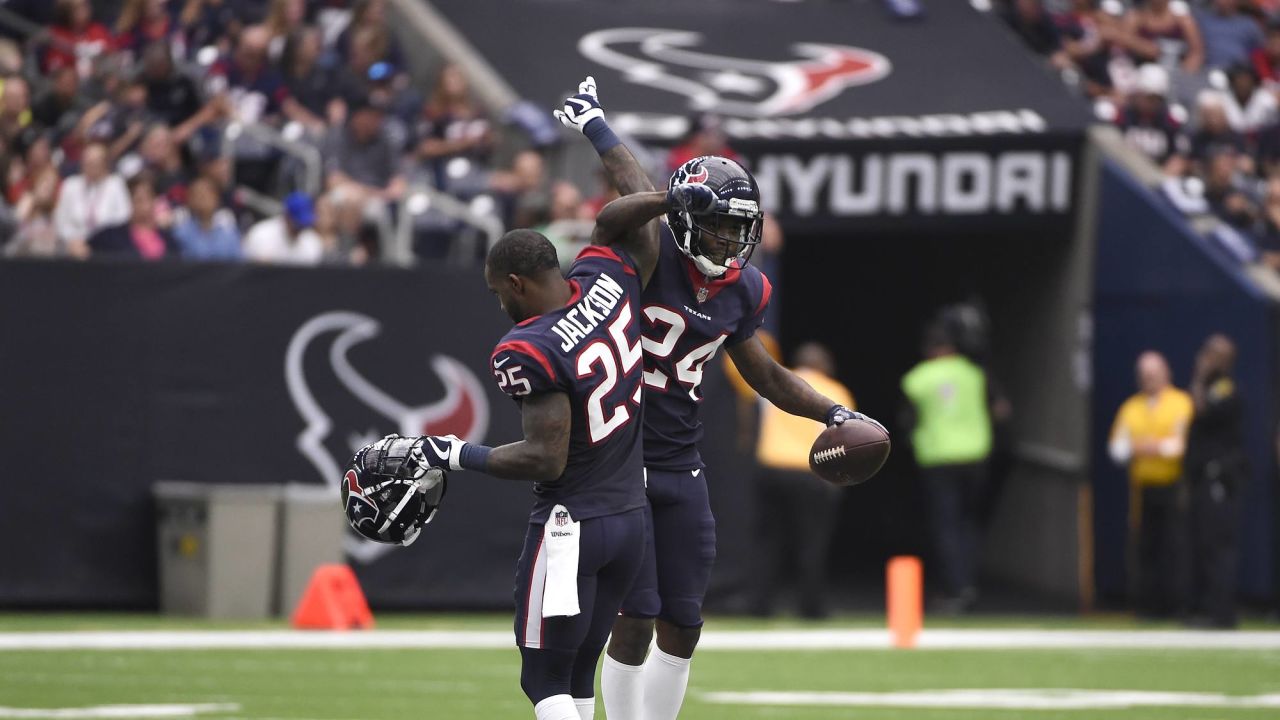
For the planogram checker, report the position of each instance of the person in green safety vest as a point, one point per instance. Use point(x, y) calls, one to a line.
point(951, 439)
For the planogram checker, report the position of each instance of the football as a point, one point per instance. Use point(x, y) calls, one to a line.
point(849, 453)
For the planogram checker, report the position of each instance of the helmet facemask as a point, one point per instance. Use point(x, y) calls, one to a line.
point(725, 240)
point(388, 495)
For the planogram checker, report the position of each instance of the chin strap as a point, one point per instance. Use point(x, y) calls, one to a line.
point(708, 268)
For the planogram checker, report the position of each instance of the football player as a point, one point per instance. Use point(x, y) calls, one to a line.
point(573, 364)
point(703, 295)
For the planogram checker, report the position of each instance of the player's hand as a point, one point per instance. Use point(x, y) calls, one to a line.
point(693, 198)
point(438, 451)
point(839, 415)
point(582, 108)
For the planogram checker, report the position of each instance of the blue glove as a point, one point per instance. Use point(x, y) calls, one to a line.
point(439, 451)
point(582, 108)
point(839, 415)
point(693, 198)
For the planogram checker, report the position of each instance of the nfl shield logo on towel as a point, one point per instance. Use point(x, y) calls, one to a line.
point(562, 518)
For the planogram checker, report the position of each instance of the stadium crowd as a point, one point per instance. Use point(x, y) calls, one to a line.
point(269, 130)
point(1195, 86)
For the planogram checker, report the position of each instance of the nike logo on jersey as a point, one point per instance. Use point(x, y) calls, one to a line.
point(500, 363)
point(697, 472)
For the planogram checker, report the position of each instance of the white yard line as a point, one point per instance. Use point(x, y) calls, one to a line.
point(118, 711)
point(1020, 699)
point(712, 640)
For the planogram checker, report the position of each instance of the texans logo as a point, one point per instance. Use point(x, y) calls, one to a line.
point(691, 172)
point(666, 60)
point(463, 411)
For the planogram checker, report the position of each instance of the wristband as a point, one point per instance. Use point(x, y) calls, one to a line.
point(474, 457)
point(601, 136)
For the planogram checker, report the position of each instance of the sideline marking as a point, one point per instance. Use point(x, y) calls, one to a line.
point(119, 711)
point(999, 699)
point(722, 640)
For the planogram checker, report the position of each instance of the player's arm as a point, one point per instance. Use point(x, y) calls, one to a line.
point(778, 385)
point(540, 456)
point(786, 390)
point(639, 236)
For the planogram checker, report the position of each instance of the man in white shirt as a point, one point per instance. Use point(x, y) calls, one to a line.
point(287, 238)
point(94, 200)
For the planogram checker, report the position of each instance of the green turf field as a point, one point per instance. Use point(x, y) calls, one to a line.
point(449, 684)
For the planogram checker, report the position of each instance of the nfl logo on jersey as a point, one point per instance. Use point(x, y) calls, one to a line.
point(702, 295)
point(562, 518)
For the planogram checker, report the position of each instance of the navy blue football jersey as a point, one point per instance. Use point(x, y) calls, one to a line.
point(590, 350)
point(688, 318)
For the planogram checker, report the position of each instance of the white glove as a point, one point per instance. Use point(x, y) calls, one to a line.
point(438, 451)
point(581, 108)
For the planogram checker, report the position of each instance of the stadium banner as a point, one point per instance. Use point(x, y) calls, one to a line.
point(976, 184)
point(114, 376)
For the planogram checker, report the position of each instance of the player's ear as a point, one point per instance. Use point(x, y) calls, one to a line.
point(517, 283)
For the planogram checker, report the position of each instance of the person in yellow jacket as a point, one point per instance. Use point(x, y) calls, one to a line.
point(1150, 436)
point(796, 510)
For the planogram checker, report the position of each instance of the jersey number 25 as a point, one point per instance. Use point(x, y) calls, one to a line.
point(605, 358)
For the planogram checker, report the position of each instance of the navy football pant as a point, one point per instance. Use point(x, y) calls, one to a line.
point(681, 539)
point(559, 654)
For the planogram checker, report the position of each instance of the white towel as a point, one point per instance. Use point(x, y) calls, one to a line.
point(560, 538)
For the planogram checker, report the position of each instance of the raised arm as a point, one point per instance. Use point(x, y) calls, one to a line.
point(583, 113)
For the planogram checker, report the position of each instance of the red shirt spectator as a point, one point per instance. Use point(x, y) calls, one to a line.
point(75, 39)
point(706, 137)
point(141, 23)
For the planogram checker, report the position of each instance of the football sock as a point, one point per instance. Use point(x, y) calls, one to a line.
point(556, 707)
point(586, 708)
point(623, 688)
point(665, 679)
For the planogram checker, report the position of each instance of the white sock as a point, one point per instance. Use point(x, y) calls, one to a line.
point(623, 688)
point(665, 679)
point(556, 707)
point(586, 708)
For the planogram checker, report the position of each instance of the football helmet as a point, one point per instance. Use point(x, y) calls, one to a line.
point(724, 238)
point(389, 492)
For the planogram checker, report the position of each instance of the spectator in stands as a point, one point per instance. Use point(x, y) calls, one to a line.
point(370, 15)
point(91, 201)
point(1035, 26)
point(797, 511)
point(145, 237)
point(454, 139)
point(37, 160)
point(141, 23)
point(1149, 124)
point(287, 238)
point(75, 39)
point(362, 166)
point(211, 23)
point(947, 409)
point(203, 236)
point(1266, 59)
point(706, 136)
point(309, 82)
point(1226, 192)
point(524, 193)
point(125, 120)
point(171, 96)
point(62, 104)
point(1230, 37)
point(562, 225)
point(1149, 435)
point(1269, 235)
point(37, 234)
point(15, 109)
point(1214, 132)
point(1248, 106)
point(1087, 32)
point(256, 90)
point(1164, 32)
point(283, 17)
point(356, 76)
point(162, 159)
